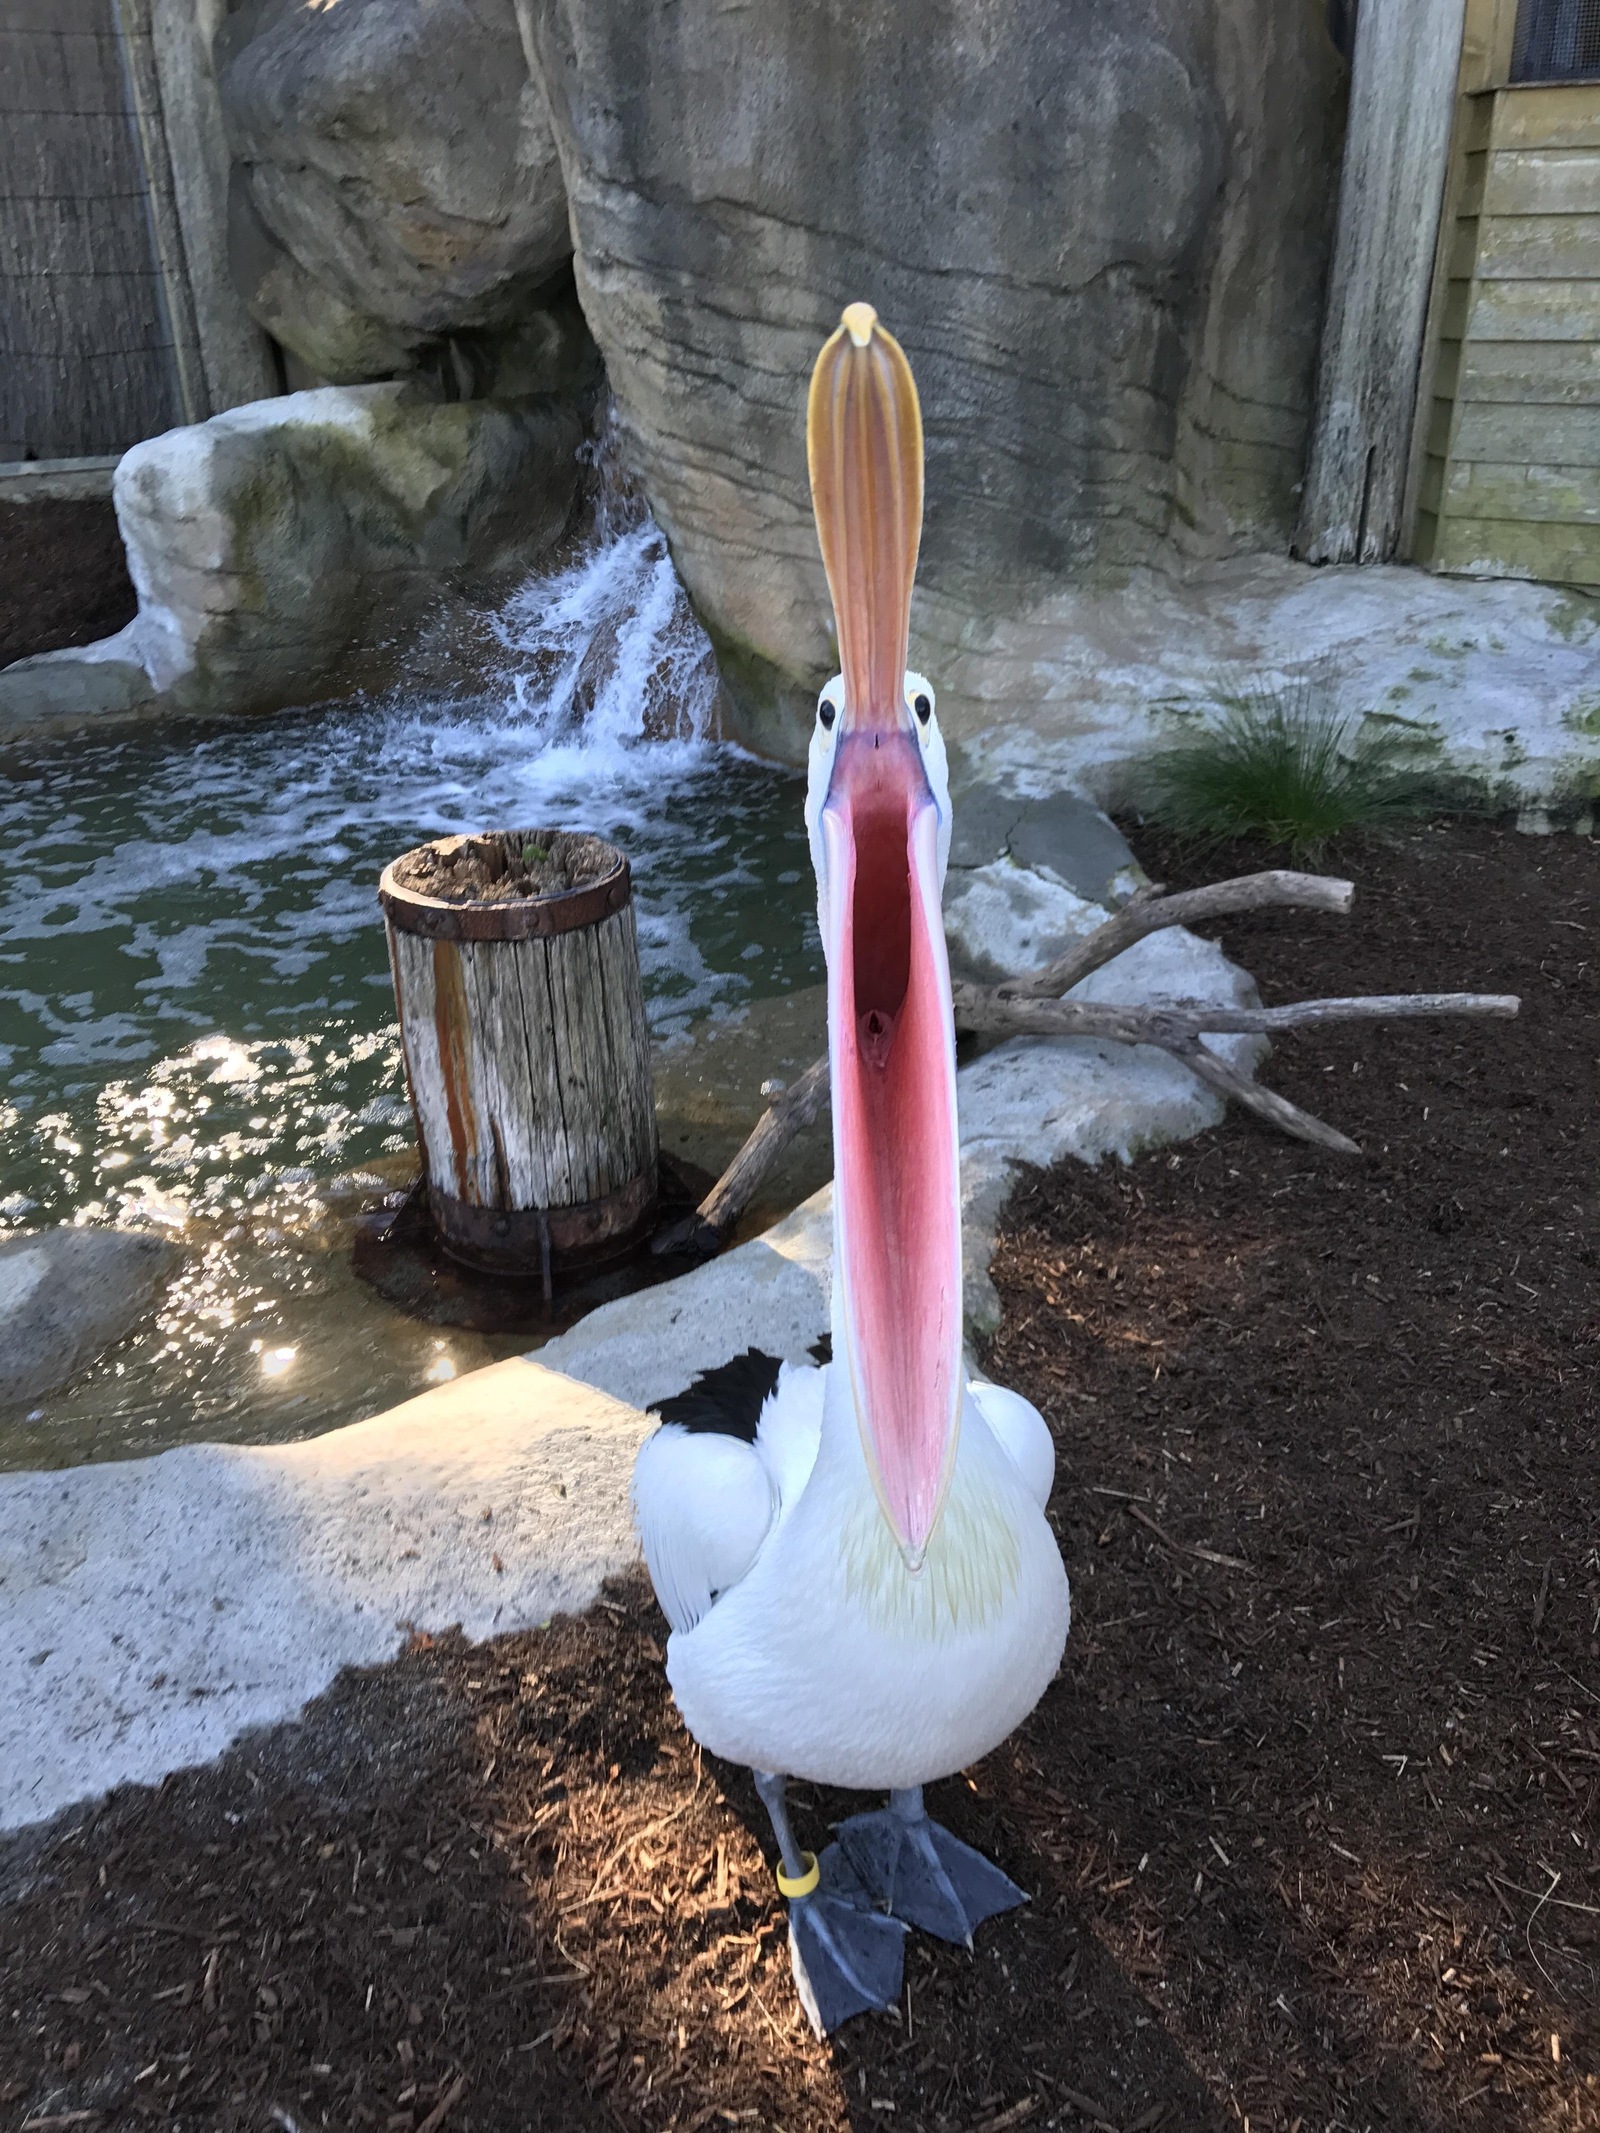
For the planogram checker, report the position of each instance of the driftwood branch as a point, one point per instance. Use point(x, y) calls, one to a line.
point(1217, 1073)
point(1030, 1006)
point(1151, 909)
point(788, 1114)
point(992, 1008)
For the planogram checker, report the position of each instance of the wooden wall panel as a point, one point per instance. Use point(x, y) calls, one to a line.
point(1557, 247)
point(1561, 495)
point(1567, 116)
point(1544, 181)
point(1509, 481)
point(1554, 310)
point(1501, 548)
point(1527, 435)
point(1554, 373)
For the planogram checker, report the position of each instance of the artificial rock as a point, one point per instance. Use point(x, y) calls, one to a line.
point(315, 545)
point(1099, 228)
point(395, 177)
point(65, 1295)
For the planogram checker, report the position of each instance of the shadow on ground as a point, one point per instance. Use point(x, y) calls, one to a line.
point(1309, 1816)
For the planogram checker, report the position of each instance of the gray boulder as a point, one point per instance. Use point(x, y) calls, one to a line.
point(66, 1295)
point(1098, 226)
point(395, 181)
point(325, 542)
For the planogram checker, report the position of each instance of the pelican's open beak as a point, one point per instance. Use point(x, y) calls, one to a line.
point(890, 1027)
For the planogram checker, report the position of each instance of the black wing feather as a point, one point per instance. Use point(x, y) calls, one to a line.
point(726, 1401)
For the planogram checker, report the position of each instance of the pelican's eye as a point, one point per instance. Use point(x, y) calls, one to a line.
point(826, 712)
point(923, 707)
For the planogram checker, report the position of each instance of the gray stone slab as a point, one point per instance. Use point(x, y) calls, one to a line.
point(1058, 833)
point(80, 684)
point(65, 1295)
point(1072, 839)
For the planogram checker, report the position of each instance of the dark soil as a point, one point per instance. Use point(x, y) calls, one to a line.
point(63, 577)
point(506, 866)
point(1309, 1816)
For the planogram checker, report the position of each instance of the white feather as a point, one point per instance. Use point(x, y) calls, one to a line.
point(702, 1504)
point(1021, 1430)
point(831, 1660)
point(790, 1429)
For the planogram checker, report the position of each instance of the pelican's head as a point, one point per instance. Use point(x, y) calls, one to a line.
point(878, 810)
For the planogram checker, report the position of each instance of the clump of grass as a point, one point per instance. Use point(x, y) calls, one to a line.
point(1282, 766)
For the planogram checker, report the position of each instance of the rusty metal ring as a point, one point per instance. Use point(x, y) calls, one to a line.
point(522, 918)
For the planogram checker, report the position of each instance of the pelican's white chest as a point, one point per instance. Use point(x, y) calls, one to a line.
point(832, 1661)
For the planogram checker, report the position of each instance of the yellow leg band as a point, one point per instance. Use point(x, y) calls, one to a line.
point(803, 1884)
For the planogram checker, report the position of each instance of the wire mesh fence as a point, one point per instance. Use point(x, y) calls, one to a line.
point(86, 357)
point(1557, 40)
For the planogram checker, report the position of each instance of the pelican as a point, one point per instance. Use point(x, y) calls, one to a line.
point(862, 1587)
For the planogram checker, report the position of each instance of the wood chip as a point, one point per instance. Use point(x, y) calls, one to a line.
point(1541, 1600)
point(1094, 2112)
point(1018, 2114)
point(446, 2104)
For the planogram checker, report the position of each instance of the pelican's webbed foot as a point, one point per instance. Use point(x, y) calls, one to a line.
point(846, 1961)
point(847, 1957)
point(916, 1871)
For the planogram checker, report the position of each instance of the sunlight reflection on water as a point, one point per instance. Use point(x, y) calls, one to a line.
point(195, 1003)
point(196, 1017)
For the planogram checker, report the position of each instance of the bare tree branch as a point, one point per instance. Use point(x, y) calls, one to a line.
point(785, 1117)
point(991, 1008)
point(1152, 909)
point(1028, 1006)
point(1277, 1110)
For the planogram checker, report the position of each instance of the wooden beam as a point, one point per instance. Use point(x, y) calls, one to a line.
point(1402, 107)
point(1486, 42)
point(133, 23)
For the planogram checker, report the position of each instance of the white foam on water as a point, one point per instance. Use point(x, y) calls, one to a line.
point(169, 892)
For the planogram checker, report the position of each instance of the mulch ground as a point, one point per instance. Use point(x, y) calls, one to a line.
point(1309, 1816)
point(63, 577)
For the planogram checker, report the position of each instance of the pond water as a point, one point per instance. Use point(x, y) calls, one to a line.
point(196, 1021)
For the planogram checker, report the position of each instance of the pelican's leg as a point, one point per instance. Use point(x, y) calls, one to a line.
point(846, 1960)
point(918, 1872)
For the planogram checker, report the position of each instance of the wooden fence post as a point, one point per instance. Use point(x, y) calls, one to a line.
point(235, 354)
point(1402, 108)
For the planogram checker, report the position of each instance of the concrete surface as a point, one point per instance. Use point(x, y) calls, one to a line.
point(35, 481)
point(1501, 677)
point(157, 1608)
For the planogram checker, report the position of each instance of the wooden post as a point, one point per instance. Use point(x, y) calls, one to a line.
point(133, 20)
point(516, 972)
point(1402, 106)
